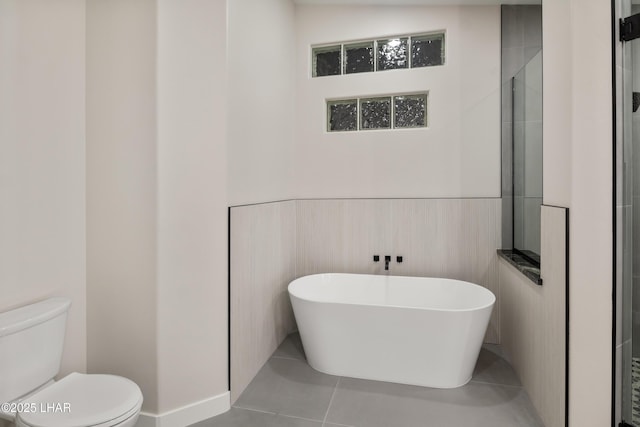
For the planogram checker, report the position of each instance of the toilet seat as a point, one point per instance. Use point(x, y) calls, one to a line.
point(93, 401)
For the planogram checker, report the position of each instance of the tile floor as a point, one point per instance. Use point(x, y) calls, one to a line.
point(289, 393)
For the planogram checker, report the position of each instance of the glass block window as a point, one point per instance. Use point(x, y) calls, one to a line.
point(383, 112)
point(375, 113)
point(342, 115)
point(358, 57)
point(427, 51)
point(392, 54)
point(327, 61)
point(410, 111)
point(401, 52)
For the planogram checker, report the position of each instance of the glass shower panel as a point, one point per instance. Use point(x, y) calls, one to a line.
point(627, 229)
point(527, 157)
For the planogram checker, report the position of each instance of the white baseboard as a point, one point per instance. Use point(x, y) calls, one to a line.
point(188, 414)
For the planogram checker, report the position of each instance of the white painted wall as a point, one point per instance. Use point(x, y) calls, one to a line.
point(157, 205)
point(418, 2)
point(457, 156)
point(192, 202)
point(157, 208)
point(42, 160)
point(591, 214)
point(578, 174)
point(261, 102)
point(121, 192)
point(557, 104)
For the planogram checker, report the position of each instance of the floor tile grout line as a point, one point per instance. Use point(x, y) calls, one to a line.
point(280, 414)
point(498, 384)
point(331, 401)
point(287, 358)
point(287, 416)
point(298, 418)
point(254, 410)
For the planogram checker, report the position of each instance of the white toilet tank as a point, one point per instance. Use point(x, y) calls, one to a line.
point(31, 341)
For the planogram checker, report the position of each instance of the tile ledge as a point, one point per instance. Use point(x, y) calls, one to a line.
point(529, 270)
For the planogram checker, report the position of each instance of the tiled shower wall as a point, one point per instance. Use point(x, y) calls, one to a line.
point(627, 216)
point(627, 55)
point(273, 243)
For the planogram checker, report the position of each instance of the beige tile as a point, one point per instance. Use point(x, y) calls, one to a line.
point(262, 266)
point(273, 243)
point(451, 238)
point(533, 321)
point(430, 234)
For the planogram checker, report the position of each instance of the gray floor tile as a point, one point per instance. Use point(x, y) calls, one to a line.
point(494, 348)
point(245, 418)
point(291, 348)
point(289, 387)
point(377, 404)
point(492, 368)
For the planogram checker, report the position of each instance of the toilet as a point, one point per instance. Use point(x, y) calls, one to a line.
point(31, 342)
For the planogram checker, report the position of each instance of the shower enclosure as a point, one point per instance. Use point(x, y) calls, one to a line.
point(527, 158)
point(627, 209)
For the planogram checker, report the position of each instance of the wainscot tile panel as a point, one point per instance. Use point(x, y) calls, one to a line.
point(262, 265)
point(452, 238)
point(532, 320)
point(273, 243)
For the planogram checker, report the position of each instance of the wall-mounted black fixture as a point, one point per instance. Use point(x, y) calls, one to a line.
point(376, 258)
point(630, 28)
point(399, 258)
point(387, 260)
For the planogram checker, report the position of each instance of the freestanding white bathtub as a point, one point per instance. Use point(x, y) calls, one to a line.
point(408, 330)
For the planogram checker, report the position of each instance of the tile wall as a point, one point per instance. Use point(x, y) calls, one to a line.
point(627, 219)
point(262, 263)
point(272, 243)
point(532, 321)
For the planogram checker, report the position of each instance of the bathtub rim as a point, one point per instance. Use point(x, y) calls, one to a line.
point(404, 307)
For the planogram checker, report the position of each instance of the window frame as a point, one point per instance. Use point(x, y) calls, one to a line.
point(392, 111)
point(374, 41)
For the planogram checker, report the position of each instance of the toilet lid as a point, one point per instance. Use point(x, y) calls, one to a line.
point(80, 400)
